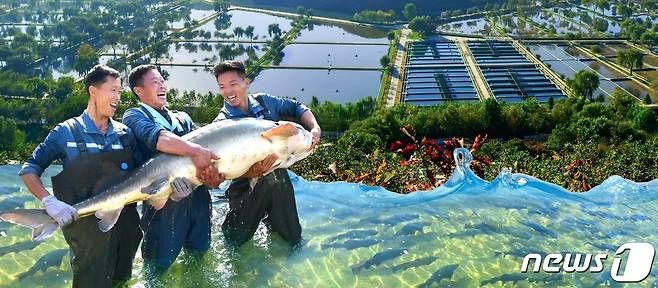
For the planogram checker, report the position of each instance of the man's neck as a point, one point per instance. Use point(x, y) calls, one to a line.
point(101, 122)
point(160, 108)
point(244, 107)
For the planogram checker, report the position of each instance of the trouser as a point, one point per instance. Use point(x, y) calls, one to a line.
point(185, 223)
point(99, 258)
point(274, 197)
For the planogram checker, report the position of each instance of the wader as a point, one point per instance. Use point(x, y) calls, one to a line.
point(98, 258)
point(274, 197)
point(178, 225)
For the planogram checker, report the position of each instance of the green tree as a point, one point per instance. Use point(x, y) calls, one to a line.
point(648, 5)
point(602, 4)
point(409, 11)
point(422, 25)
point(391, 35)
point(624, 10)
point(649, 38)
point(645, 119)
point(112, 38)
point(238, 32)
point(249, 32)
point(600, 24)
point(385, 61)
point(584, 83)
point(10, 134)
point(221, 5)
point(630, 58)
point(86, 57)
point(274, 29)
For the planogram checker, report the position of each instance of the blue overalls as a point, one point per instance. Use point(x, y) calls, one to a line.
point(179, 224)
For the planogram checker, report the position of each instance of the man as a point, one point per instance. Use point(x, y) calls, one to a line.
point(273, 195)
point(185, 221)
point(95, 152)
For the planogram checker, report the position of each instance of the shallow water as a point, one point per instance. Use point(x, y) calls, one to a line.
point(466, 233)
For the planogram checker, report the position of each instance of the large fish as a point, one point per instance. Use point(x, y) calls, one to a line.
point(238, 143)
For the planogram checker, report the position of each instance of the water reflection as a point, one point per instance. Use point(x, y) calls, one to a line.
point(333, 55)
point(339, 86)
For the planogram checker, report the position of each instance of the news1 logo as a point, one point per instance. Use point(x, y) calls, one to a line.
point(636, 267)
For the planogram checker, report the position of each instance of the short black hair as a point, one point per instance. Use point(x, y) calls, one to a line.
point(228, 66)
point(136, 75)
point(98, 75)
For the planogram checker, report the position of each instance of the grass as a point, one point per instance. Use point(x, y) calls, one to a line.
point(386, 76)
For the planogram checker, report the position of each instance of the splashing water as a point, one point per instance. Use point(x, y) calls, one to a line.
point(466, 233)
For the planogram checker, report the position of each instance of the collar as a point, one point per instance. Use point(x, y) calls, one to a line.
point(254, 108)
point(89, 127)
point(160, 120)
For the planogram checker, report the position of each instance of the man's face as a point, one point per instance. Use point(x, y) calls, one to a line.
point(233, 88)
point(106, 96)
point(153, 90)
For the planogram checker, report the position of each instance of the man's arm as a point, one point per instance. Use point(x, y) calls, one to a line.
point(61, 212)
point(294, 109)
point(157, 138)
point(34, 184)
point(49, 150)
point(309, 122)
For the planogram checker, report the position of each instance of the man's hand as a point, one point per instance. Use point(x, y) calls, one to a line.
point(182, 188)
point(202, 159)
point(261, 167)
point(211, 177)
point(62, 213)
point(315, 132)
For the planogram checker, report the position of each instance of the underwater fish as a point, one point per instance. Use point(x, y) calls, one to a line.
point(415, 263)
point(397, 219)
point(519, 252)
point(379, 258)
point(352, 244)
point(541, 229)
point(412, 228)
point(390, 221)
point(353, 235)
point(151, 182)
point(444, 273)
point(516, 277)
point(606, 278)
point(20, 246)
point(16, 202)
point(52, 259)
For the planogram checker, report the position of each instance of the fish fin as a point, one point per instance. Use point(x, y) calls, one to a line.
point(155, 186)
point(42, 225)
point(158, 203)
point(356, 269)
point(108, 218)
point(274, 167)
point(44, 231)
point(285, 131)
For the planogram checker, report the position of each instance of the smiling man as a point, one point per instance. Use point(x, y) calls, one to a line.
point(272, 196)
point(95, 152)
point(185, 221)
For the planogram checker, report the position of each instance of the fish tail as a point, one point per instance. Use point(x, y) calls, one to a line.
point(42, 225)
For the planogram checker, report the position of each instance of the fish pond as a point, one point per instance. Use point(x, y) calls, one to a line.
point(466, 233)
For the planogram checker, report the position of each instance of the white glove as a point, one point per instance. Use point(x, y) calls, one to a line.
point(62, 213)
point(182, 188)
